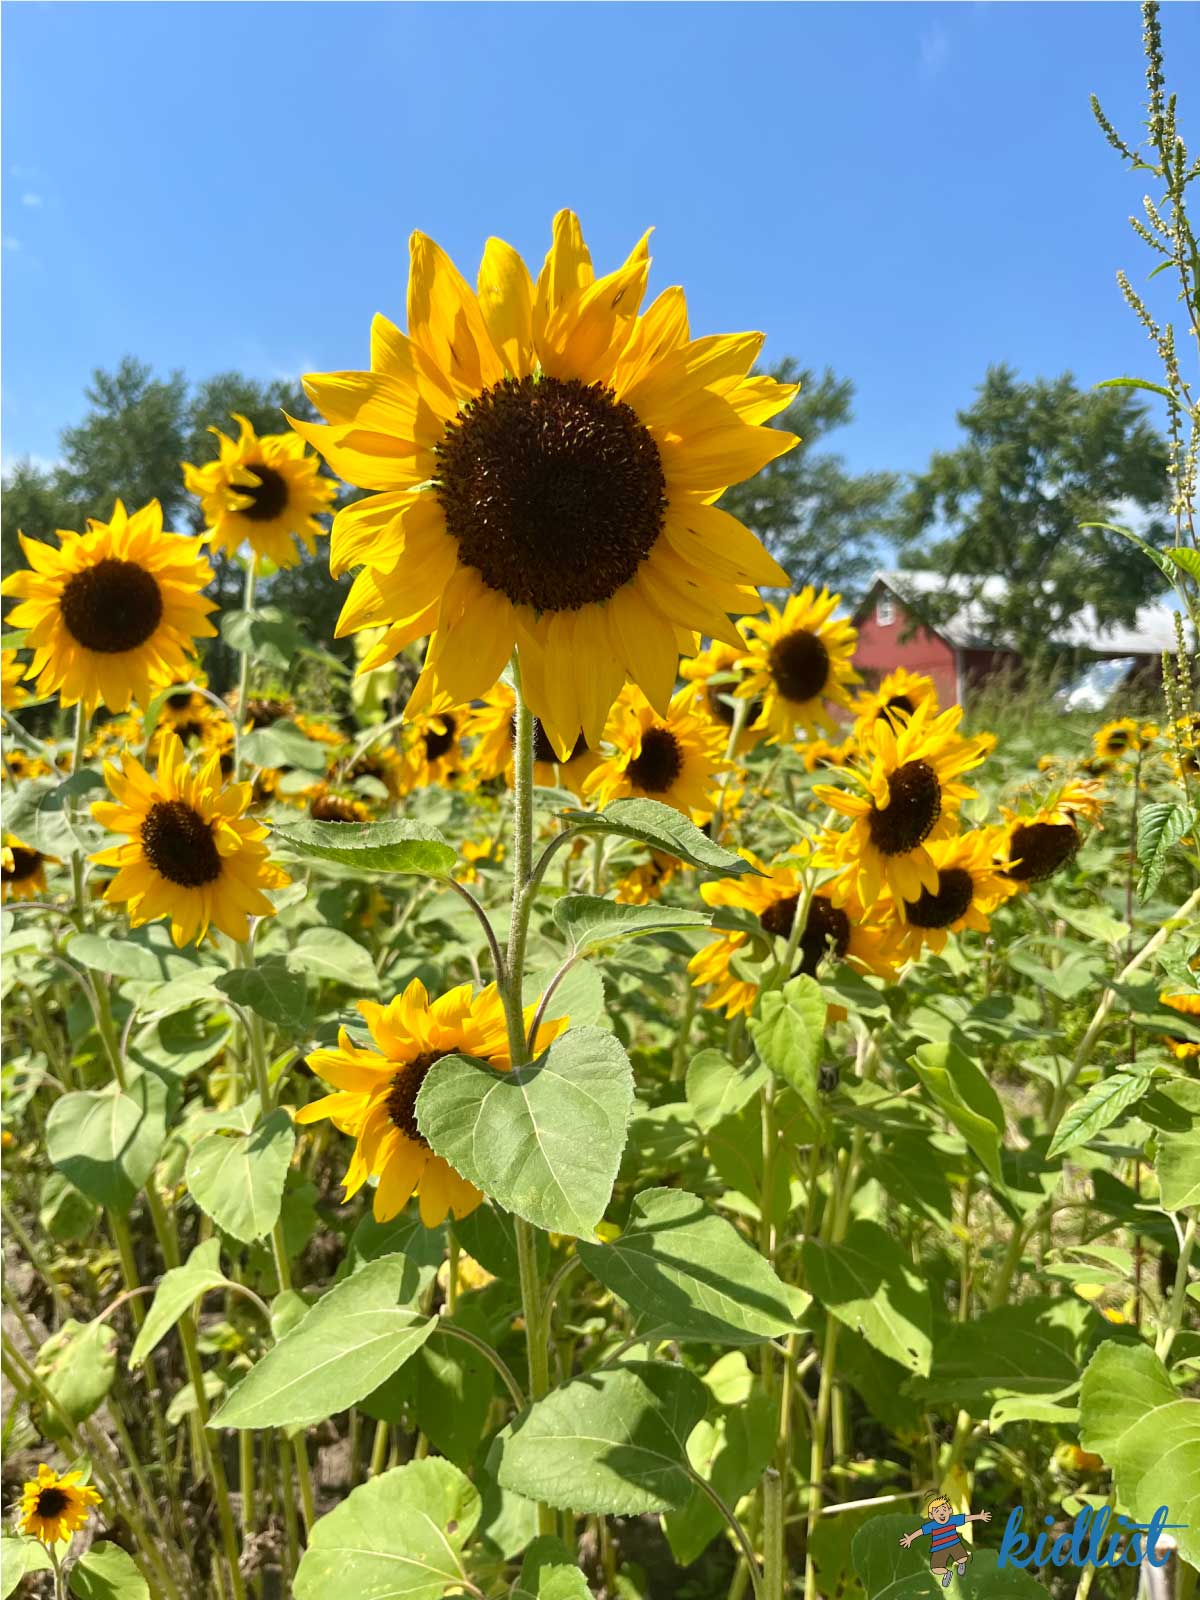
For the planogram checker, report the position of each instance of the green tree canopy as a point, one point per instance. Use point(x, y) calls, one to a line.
point(823, 523)
point(1038, 460)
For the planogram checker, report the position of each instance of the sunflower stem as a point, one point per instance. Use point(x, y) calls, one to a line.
point(244, 668)
point(81, 730)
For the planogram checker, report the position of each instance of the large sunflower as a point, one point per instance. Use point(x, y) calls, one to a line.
point(191, 855)
point(908, 793)
point(547, 461)
point(674, 758)
point(262, 490)
point(898, 695)
point(53, 1507)
point(846, 932)
point(377, 1092)
point(22, 870)
point(112, 614)
point(971, 883)
point(492, 725)
point(798, 664)
point(1042, 840)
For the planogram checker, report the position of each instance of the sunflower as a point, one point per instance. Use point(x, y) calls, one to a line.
point(433, 748)
point(673, 759)
point(798, 663)
point(492, 725)
point(547, 460)
point(646, 882)
point(1117, 739)
point(53, 1507)
point(265, 491)
point(376, 1092)
point(1183, 751)
point(1042, 841)
point(716, 675)
point(112, 614)
point(327, 804)
point(380, 763)
point(191, 854)
point(898, 695)
point(910, 794)
point(262, 711)
point(820, 753)
point(20, 765)
point(12, 669)
point(187, 713)
point(845, 932)
point(971, 883)
point(22, 870)
point(1188, 1005)
point(479, 854)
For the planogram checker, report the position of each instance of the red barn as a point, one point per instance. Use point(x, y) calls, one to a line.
point(894, 630)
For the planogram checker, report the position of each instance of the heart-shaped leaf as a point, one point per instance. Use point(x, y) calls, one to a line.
point(589, 920)
point(662, 828)
point(179, 1289)
point(107, 1141)
point(865, 1282)
point(394, 846)
point(238, 1178)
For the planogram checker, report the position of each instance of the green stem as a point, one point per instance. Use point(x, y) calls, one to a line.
point(774, 1556)
point(244, 668)
point(1166, 1337)
point(379, 1449)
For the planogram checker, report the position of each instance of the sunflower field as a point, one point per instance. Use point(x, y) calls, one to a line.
point(604, 1100)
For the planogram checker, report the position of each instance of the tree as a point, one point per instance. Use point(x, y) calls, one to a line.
point(823, 523)
point(1038, 460)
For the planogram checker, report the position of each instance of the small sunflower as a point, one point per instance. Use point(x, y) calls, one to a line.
point(376, 1092)
point(479, 855)
point(262, 710)
point(717, 677)
point(845, 932)
point(54, 1506)
point(492, 725)
point(910, 793)
point(380, 762)
point(191, 854)
point(265, 491)
point(1188, 1005)
point(971, 883)
point(798, 663)
point(546, 460)
point(113, 614)
point(819, 753)
point(898, 695)
point(1117, 739)
point(1042, 841)
point(327, 804)
point(646, 882)
point(188, 713)
point(13, 694)
point(22, 870)
point(21, 766)
point(433, 748)
point(1183, 749)
point(674, 759)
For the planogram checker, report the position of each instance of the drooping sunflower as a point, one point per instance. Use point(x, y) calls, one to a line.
point(674, 759)
point(819, 753)
point(113, 614)
point(22, 870)
point(1188, 1005)
point(971, 883)
point(262, 490)
point(1116, 739)
point(716, 675)
point(848, 932)
point(492, 726)
point(479, 855)
point(546, 460)
point(55, 1506)
point(191, 854)
point(376, 1092)
point(1043, 839)
point(380, 763)
point(326, 803)
point(898, 695)
point(908, 792)
point(433, 748)
point(13, 694)
point(799, 664)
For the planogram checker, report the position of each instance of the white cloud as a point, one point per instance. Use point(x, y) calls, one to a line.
point(935, 50)
point(31, 199)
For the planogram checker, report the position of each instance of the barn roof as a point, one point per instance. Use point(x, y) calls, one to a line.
point(1152, 630)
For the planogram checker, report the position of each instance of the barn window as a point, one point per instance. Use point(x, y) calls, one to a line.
point(885, 611)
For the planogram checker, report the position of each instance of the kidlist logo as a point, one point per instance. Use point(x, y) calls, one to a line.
point(1095, 1539)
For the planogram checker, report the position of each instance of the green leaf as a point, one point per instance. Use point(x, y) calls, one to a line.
point(238, 1178)
point(399, 1537)
point(1149, 1436)
point(140, 957)
point(730, 1451)
point(692, 1275)
point(614, 1443)
point(1026, 1349)
point(966, 1098)
point(1134, 383)
point(589, 920)
point(545, 1140)
point(77, 1365)
point(1161, 825)
point(789, 1033)
point(106, 1572)
point(106, 1141)
point(52, 815)
point(178, 1289)
point(548, 1572)
point(396, 846)
point(1177, 1163)
point(888, 1571)
point(329, 953)
point(866, 1283)
point(1100, 1106)
point(662, 828)
point(716, 1089)
point(64, 1213)
point(19, 1556)
point(1187, 560)
point(352, 1339)
point(270, 988)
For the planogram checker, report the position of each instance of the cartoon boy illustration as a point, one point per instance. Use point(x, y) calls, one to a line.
point(946, 1549)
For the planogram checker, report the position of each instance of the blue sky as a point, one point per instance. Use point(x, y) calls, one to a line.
point(904, 192)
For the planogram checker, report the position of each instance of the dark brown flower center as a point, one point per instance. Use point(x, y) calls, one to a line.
point(909, 816)
point(332, 808)
point(402, 1097)
point(112, 607)
point(543, 750)
point(722, 708)
point(268, 497)
point(437, 744)
point(52, 1503)
point(262, 713)
point(1118, 740)
point(179, 844)
point(1039, 849)
point(898, 702)
point(826, 932)
point(799, 664)
point(180, 701)
point(24, 864)
point(554, 490)
point(952, 900)
point(659, 762)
